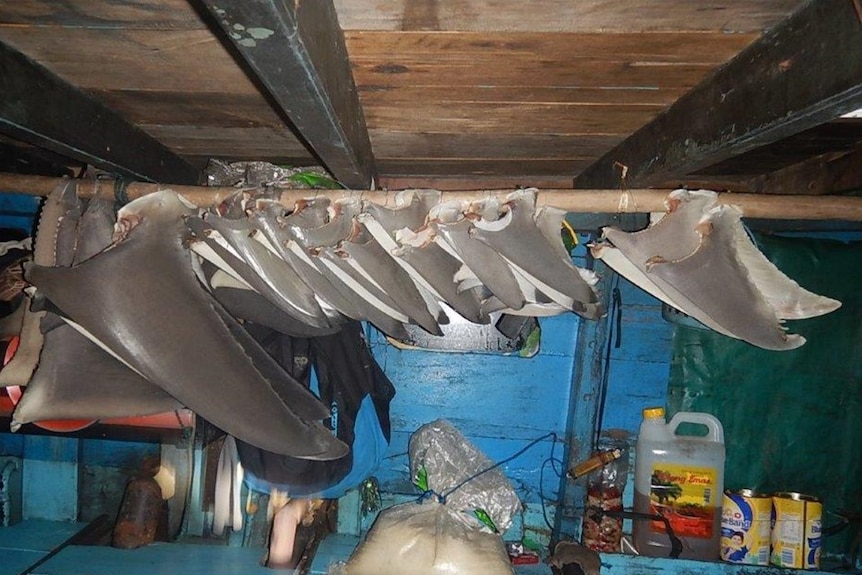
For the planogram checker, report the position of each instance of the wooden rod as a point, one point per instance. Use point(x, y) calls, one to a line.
point(777, 207)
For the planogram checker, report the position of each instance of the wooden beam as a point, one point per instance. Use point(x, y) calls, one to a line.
point(841, 208)
point(831, 173)
point(803, 72)
point(296, 51)
point(42, 109)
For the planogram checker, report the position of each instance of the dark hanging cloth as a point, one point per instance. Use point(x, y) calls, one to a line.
point(351, 382)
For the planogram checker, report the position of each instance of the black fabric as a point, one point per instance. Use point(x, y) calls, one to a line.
point(346, 374)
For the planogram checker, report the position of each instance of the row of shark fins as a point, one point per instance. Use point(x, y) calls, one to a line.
point(699, 259)
point(154, 300)
point(325, 262)
point(144, 313)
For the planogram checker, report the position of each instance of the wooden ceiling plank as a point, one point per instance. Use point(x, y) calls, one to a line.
point(380, 95)
point(564, 15)
point(515, 117)
point(703, 47)
point(169, 107)
point(122, 59)
point(138, 14)
point(527, 168)
point(409, 144)
point(805, 71)
point(296, 51)
point(500, 72)
point(40, 108)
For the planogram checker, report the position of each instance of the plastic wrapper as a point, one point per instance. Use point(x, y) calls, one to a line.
point(605, 486)
point(426, 538)
point(264, 174)
point(447, 459)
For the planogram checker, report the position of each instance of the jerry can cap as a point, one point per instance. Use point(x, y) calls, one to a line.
point(653, 412)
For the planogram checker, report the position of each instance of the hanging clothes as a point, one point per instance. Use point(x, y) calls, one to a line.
point(353, 385)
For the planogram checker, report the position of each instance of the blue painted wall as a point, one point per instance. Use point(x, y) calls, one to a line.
point(501, 403)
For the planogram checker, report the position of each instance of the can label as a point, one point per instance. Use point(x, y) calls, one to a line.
point(796, 531)
point(686, 496)
point(745, 527)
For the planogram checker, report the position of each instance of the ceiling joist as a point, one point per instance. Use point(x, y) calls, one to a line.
point(296, 51)
point(831, 173)
point(40, 108)
point(803, 72)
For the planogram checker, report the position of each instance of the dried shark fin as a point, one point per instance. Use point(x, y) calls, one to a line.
point(75, 379)
point(699, 259)
point(177, 336)
point(519, 240)
point(271, 276)
point(380, 267)
point(492, 270)
point(671, 238)
point(269, 220)
point(787, 298)
point(60, 212)
point(717, 284)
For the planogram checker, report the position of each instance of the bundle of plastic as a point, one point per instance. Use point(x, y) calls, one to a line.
point(453, 530)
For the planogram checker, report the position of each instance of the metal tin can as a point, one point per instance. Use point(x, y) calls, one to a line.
point(745, 527)
point(796, 531)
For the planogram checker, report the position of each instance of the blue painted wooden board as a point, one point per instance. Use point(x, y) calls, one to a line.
point(37, 534)
point(14, 561)
point(156, 559)
point(25, 543)
point(500, 403)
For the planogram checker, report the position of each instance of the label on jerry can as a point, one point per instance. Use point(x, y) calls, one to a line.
point(796, 531)
point(745, 527)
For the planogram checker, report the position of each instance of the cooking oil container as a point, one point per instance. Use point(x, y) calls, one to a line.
point(680, 477)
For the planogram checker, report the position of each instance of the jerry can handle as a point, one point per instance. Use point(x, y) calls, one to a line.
point(716, 431)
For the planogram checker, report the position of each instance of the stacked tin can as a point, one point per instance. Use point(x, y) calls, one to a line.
point(783, 529)
point(796, 530)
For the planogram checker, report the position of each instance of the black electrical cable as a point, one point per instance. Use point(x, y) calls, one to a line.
point(614, 340)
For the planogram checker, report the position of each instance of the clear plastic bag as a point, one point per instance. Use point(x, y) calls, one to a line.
point(605, 486)
point(456, 468)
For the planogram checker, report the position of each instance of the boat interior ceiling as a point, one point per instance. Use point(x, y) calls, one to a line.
point(756, 96)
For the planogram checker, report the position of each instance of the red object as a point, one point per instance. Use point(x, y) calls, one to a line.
point(170, 420)
point(15, 393)
point(525, 558)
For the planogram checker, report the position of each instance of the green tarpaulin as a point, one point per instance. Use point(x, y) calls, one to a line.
point(792, 419)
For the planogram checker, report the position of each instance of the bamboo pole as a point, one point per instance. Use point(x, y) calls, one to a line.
point(778, 207)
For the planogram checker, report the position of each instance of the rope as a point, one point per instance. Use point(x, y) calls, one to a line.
point(121, 191)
